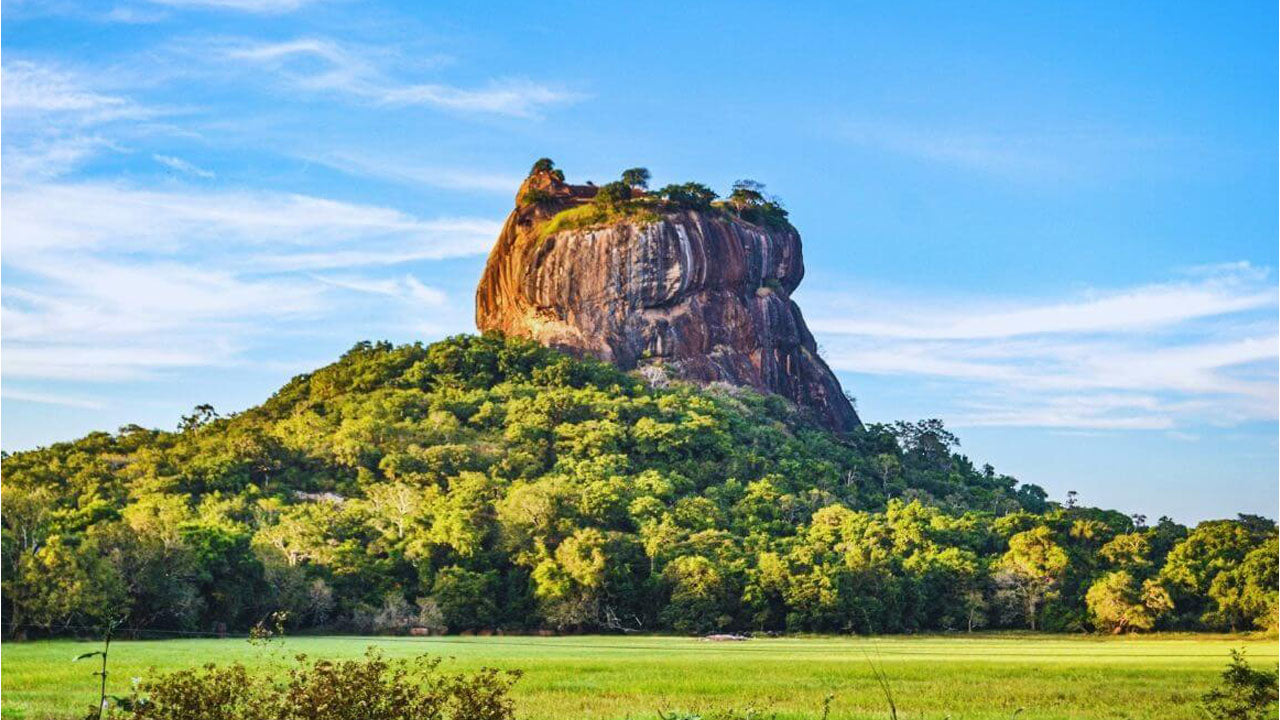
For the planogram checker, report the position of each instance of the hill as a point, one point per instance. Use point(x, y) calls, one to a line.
point(491, 483)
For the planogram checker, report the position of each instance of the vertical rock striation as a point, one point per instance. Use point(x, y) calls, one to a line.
point(704, 293)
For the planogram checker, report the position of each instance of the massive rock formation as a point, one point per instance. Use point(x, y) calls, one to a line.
point(703, 293)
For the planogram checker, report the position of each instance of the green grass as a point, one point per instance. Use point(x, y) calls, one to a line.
point(979, 676)
point(593, 214)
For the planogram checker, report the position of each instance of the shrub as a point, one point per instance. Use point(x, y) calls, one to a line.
point(536, 196)
point(690, 195)
point(542, 165)
point(613, 194)
point(371, 688)
point(1244, 694)
point(751, 204)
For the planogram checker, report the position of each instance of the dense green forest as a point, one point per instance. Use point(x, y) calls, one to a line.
point(487, 483)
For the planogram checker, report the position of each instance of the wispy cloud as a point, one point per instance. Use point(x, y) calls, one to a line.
point(1008, 152)
point(182, 166)
point(32, 88)
point(1229, 289)
point(51, 399)
point(1155, 356)
point(56, 120)
point(267, 227)
point(266, 7)
point(405, 288)
point(407, 171)
point(319, 65)
point(109, 281)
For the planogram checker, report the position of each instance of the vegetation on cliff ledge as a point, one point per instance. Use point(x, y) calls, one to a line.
point(628, 200)
point(484, 482)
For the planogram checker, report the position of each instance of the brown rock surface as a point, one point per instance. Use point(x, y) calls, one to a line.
point(705, 294)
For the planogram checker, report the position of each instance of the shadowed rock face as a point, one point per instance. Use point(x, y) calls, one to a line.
point(702, 293)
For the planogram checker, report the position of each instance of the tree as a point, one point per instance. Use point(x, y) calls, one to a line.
point(1246, 594)
point(61, 585)
point(689, 196)
point(975, 609)
point(542, 165)
point(748, 200)
point(1129, 551)
point(746, 193)
point(200, 416)
point(700, 595)
point(636, 177)
point(1038, 563)
point(1118, 603)
point(1216, 548)
point(467, 599)
point(613, 194)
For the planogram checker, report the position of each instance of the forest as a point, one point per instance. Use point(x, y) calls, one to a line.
point(484, 483)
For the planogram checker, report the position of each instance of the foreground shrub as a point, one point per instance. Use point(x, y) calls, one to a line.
point(1244, 694)
point(371, 688)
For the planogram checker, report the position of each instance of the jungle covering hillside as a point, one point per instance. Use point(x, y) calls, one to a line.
point(488, 483)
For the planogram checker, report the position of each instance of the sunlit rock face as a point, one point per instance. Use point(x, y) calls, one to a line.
point(705, 294)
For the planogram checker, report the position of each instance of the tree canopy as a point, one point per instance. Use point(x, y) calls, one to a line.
point(487, 482)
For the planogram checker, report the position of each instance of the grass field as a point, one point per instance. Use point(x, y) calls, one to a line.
point(980, 676)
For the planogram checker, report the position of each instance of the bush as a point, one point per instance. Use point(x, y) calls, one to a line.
point(751, 204)
point(542, 165)
point(614, 194)
point(536, 196)
point(371, 688)
point(690, 195)
point(1245, 693)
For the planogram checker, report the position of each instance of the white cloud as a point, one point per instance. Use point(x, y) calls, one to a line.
point(56, 120)
point(51, 399)
point(182, 166)
point(281, 230)
point(31, 88)
point(408, 172)
point(266, 7)
point(407, 288)
point(1153, 357)
point(321, 65)
point(1009, 152)
point(1144, 307)
point(107, 281)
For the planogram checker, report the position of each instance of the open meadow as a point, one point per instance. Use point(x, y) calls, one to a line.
point(979, 676)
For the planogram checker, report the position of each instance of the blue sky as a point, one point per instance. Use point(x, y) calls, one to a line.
point(1054, 225)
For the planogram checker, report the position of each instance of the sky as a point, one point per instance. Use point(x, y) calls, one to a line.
point(1051, 225)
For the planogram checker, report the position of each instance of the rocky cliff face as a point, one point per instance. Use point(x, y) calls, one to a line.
point(705, 294)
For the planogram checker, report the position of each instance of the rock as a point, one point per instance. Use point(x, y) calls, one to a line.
point(705, 294)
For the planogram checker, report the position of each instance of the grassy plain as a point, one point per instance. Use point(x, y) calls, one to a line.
point(571, 678)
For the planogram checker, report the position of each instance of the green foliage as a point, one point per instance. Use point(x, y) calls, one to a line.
point(1244, 693)
point(636, 177)
point(749, 202)
point(613, 194)
point(369, 688)
point(536, 196)
point(1223, 574)
point(1119, 603)
point(688, 196)
point(542, 165)
point(485, 483)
